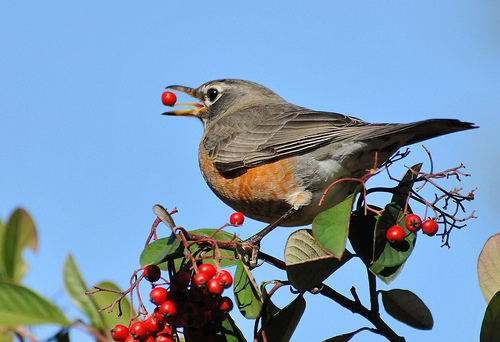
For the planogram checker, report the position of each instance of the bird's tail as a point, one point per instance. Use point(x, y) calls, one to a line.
point(418, 131)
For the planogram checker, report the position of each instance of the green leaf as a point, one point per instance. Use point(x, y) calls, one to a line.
point(405, 306)
point(488, 267)
point(222, 236)
point(307, 264)
point(19, 233)
point(6, 335)
point(104, 298)
point(75, 288)
point(172, 248)
point(331, 227)
point(162, 250)
point(19, 306)
point(490, 329)
point(231, 331)
point(281, 326)
point(247, 298)
point(388, 259)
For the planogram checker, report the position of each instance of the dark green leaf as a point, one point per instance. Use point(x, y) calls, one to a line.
point(405, 185)
point(281, 326)
point(307, 264)
point(231, 331)
point(341, 338)
point(331, 227)
point(247, 298)
point(19, 233)
point(19, 306)
point(361, 234)
point(75, 288)
point(488, 267)
point(406, 307)
point(105, 298)
point(490, 329)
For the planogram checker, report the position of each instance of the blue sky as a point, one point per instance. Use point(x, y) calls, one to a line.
point(87, 153)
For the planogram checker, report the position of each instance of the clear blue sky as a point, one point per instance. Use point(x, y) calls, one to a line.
point(85, 150)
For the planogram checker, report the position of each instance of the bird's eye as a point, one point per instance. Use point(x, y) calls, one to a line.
point(212, 94)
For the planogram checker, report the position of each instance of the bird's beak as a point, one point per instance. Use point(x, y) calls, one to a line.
point(186, 112)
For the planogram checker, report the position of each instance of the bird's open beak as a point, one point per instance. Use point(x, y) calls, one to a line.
point(186, 112)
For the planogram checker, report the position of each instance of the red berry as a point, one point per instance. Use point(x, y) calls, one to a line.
point(119, 333)
point(413, 223)
point(225, 279)
point(430, 227)
point(153, 325)
point(152, 273)
point(164, 338)
point(180, 280)
point(158, 316)
point(236, 219)
point(168, 309)
point(158, 295)
point(149, 339)
point(168, 98)
point(395, 234)
point(225, 304)
point(208, 269)
point(130, 339)
point(201, 280)
point(214, 287)
point(139, 330)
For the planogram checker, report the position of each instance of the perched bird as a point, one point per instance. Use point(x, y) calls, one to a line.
point(271, 159)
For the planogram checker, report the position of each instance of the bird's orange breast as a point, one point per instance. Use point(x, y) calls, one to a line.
point(264, 192)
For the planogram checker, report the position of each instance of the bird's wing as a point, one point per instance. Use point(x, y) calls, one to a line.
point(276, 131)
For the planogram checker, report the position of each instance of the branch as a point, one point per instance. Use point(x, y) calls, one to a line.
point(355, 306)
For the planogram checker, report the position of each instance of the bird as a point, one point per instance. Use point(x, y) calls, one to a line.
point(273, 160)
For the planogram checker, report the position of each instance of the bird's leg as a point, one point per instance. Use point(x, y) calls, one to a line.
point(253, 242)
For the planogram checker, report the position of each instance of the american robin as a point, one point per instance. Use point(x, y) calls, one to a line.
point(266, 157)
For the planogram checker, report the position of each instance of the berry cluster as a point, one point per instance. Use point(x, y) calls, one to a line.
point(192, 303)
point(413, 223)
